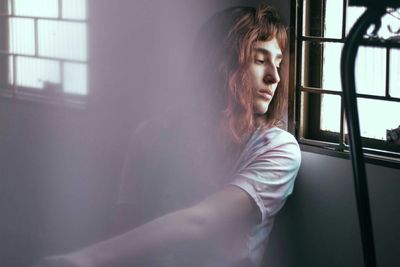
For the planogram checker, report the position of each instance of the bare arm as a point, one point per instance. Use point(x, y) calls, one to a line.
point(192, 224)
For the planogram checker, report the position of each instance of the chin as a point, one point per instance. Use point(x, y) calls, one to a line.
point(261, 109)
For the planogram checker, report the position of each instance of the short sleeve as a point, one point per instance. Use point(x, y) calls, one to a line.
point(269, 176)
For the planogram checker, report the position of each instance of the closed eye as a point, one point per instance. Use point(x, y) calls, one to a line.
point(259, 61)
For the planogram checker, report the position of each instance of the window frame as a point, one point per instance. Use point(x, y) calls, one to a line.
point(12, 91)
point(305, 101)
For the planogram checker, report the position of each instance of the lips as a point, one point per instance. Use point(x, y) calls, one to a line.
point(266, 94)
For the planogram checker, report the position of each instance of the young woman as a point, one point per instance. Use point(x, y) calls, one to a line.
point(222, 216)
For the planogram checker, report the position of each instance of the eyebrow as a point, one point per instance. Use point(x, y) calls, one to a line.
point(265, 51)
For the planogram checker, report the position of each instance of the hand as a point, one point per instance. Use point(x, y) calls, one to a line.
point(69, 260)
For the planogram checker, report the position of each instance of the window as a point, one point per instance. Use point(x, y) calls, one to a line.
point(43, 50)
point(319, 29)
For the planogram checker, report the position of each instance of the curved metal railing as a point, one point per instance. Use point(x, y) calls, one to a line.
point(370, 17)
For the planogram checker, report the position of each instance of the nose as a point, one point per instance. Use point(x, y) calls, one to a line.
point(271, 75)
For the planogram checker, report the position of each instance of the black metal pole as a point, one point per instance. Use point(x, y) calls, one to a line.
point(350, 102)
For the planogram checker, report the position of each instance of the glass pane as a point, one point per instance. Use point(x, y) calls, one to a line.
point(37, 73)
point(333, 18)
point(37, 8)
point(22, 36)
point(325, 58)
point(330, 113)
point(394, 73)
point(74, 9)
point(331, 69)
point(64, 40)
point(376, 116)
point(371, 71)
point(75, 78)
point(353, 13)
point(332, 24)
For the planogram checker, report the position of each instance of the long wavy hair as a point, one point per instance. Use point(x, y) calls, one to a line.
point(249, 26)
point(224, 52)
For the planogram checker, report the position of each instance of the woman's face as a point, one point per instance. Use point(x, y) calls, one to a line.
point(263, 73)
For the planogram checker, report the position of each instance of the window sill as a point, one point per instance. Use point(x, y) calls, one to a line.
point(325, 149)
point(55, 100)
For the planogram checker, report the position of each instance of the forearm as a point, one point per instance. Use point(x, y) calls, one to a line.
point(168, 230)
point(197, 223)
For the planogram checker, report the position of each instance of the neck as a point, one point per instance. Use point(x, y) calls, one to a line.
point(260, 121)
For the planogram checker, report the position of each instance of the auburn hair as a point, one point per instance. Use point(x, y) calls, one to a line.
point(249, 25)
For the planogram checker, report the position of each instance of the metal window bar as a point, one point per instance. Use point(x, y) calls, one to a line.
point(332, 92)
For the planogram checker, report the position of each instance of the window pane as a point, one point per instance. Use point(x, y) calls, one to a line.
point(36, 8)
point(394, 73)
point(37, 73)
point(376, 116)
point(74, 9)
point(75, 78)
point(333, 18)
point(331, 24)
point(331, 69)
point(64, 40)
point(22, 36)
point(371, 71)
point(353, 13)
point(325, 58)
point(330, 113)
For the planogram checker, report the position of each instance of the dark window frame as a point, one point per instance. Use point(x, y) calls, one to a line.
point(305, 101)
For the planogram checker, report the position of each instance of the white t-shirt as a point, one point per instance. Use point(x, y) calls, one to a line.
point(265, 169)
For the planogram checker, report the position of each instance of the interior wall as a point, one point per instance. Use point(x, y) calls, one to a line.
point(319, 224)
